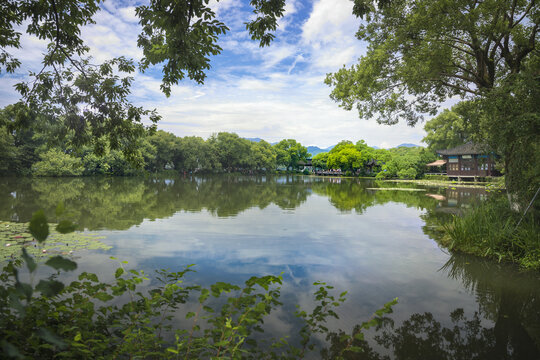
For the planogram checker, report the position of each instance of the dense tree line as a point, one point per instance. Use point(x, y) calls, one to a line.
point(359, 158)
point(31, 152)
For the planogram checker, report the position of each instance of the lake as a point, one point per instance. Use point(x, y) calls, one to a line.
point(377, 244)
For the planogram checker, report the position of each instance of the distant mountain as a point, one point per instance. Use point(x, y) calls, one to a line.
point(407, 145)
point(314, 150)
point(375, 147)
point(254, 139)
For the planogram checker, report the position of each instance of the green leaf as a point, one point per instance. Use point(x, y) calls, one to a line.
point(103, 296)
point(78, 337)
point(50, 288)
point(30, 263)
point(118, 272)
point(24, 289)
point(65, 227)
point(59, 262)
point(51, 338)
point(59, 209)
point(38, 226)
point(10, 350)
point(190, 314)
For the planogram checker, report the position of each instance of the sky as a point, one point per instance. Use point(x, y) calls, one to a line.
point(273, 93)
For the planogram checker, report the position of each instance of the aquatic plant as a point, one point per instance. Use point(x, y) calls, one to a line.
point(490, 229)
point(15, 236)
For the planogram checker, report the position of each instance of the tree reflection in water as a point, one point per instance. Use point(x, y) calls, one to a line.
point(506, 325)
point(512, 329)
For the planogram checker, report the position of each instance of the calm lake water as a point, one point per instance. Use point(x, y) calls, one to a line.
point(376, 244)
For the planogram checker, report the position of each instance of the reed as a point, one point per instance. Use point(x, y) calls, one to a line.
point(489, 229)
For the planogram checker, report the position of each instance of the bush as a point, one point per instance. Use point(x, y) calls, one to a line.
point(409, 173)
point(55, 162)
point(490, 229)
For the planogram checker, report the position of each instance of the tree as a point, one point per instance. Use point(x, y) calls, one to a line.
point(320, 160)
point(231, 150)
point(90, 101)
point(422, 52)
point(445, 131)
point(290, 153)
point(345, 156)
point(263, 155)
point(166, 150)
point(54, 162)
point(8, 152)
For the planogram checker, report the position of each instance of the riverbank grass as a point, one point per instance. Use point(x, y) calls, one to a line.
point(490, 229)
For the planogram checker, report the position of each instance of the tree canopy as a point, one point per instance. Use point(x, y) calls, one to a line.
point(422, 52)
point(447, 130)
point(88, 103)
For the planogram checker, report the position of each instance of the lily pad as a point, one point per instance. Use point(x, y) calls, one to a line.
point(15, 236)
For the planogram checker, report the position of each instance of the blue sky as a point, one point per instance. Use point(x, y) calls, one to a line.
point(273, 93)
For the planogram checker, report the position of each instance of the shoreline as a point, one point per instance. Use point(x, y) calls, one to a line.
point(448, 184)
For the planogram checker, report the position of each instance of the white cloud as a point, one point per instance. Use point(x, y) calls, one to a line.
point(274, 92)
point(330, 21)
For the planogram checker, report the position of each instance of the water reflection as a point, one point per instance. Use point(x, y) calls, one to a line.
point(506, 324)
point(118, 203)
point(375, 244)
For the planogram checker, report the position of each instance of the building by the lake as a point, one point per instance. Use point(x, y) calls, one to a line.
point(466, 161)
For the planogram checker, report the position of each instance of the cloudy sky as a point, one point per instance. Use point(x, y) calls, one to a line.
point(273, 93)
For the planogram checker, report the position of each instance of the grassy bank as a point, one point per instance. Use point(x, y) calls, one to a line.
point(491, 230)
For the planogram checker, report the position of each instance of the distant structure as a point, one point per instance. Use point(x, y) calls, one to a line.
point(467, 161)
point(307, 165)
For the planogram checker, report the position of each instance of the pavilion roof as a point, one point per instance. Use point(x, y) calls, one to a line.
point(465, 149)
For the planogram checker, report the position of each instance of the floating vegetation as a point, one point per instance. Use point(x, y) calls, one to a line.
point(396, 189)
point(14, 236)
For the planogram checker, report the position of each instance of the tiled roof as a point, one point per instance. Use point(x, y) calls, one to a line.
point(465, 149)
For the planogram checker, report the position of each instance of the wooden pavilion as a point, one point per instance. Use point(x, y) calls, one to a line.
point(467, 161)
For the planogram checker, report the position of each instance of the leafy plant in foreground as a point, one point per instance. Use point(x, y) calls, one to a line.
point(88, 318)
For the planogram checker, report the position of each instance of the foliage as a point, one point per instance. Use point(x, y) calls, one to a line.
point(507, 120)
point(87, 103)
point(54, 162)
point(446, 131)
point(91, 319)
point(320, 160)
point(491, 229)
point(289, 153)
point(421, 53)
point(231, 150)
point(345, 156)
point(406, 163)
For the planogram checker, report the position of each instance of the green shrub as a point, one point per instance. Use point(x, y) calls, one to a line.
point(490, 229)
point(409, 173)
point(55, 162)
